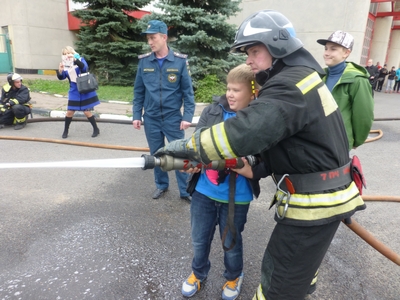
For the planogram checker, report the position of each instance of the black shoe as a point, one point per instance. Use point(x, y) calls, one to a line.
point(96, 132)
point(2, 126)
point(187, 198)
point(19, 126)
point(65, 134)
point(158, 193)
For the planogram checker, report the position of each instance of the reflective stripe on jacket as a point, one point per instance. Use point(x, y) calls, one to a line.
point(21, 95)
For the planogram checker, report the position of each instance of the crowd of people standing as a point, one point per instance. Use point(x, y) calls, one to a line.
point(384, 78)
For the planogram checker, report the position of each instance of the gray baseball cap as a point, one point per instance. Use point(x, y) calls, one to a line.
point(339, 37)
point(156, 26)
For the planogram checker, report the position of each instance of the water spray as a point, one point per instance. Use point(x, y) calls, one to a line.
point(165, 162)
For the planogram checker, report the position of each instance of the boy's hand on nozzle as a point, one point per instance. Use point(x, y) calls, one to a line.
point(192, 170)
point(246, 171)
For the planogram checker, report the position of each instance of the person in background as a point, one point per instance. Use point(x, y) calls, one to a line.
point(391, 80)
point(396, 87)
point(296, 129)
point(14, 103)
point(70, 68)
point(162, 85)
point(383, 72)
point(350, 87)
point(210, 201)
point(373, 73)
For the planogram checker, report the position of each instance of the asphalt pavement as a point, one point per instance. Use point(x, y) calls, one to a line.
point(78, 233)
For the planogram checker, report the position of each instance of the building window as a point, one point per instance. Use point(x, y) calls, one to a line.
point(367, 40)
point(373, 8)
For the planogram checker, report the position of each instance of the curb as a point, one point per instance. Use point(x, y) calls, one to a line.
point(104, 101)
point(61, 114)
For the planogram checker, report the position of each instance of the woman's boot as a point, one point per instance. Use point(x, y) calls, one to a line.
point(66, 127)
point(96, 130)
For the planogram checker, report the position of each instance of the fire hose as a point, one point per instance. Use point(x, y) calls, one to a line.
point(170, 163)
point(374, 242)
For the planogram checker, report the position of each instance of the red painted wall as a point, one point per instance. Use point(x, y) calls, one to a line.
point(75, 23)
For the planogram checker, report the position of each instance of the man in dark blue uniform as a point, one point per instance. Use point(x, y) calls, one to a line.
point(163, 84)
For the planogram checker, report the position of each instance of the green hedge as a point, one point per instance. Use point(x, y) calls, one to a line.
point(208, 87)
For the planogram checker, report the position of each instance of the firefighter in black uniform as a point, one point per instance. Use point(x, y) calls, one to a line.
point(296, 128)
point(14, 103)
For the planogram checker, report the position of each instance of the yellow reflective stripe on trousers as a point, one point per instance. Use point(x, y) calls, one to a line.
point(315, 278)
point(22, 120)
point(322, 206)
point(259, 295)
point(309, 83)
point(215, 143)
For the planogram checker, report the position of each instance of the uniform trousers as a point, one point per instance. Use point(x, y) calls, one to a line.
point(292, 258)
point(157, 130)
point(17, 111)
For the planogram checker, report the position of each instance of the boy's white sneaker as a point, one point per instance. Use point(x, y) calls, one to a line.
point(231, 289)
point(190, 286)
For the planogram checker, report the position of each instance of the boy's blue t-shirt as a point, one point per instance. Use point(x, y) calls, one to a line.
point(207, 185)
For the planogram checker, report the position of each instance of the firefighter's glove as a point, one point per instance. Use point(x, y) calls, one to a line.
point(185, 148)
point(13, 102)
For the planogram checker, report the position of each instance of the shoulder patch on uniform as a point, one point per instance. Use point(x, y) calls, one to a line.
point(180, 55)
point(144, 55)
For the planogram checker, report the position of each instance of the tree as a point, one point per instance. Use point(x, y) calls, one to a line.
point(110, 39)
point(200, 29)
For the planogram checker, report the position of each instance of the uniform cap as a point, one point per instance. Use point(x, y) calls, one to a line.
point(155, 26)
point(341, 38)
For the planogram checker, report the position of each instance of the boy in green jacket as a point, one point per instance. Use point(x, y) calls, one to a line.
point(349, 85)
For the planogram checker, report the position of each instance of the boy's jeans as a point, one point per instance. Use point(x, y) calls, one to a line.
point(205, 215)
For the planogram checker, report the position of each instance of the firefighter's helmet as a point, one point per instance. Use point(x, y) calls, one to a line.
point(270, 28)
point(11, 77)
